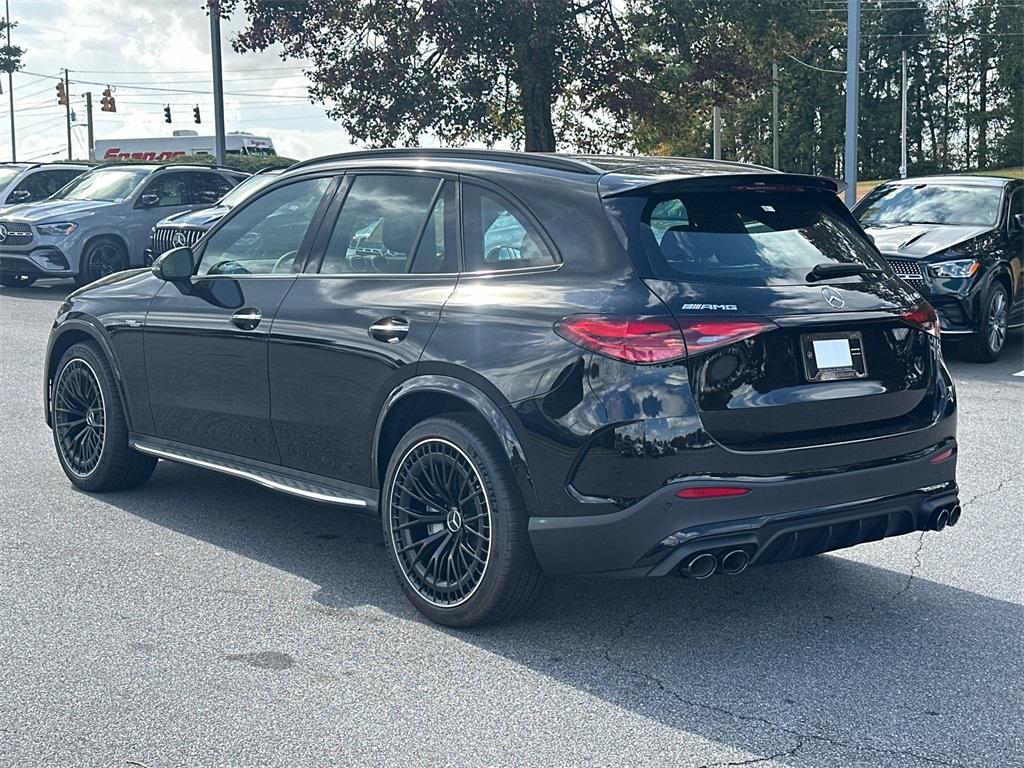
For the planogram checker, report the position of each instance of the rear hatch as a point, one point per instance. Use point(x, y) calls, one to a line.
point(785, 347)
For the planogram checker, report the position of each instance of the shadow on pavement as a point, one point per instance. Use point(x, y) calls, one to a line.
point(830, 654)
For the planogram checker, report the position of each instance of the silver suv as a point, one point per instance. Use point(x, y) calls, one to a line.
point(25, 182)
point(100, 223)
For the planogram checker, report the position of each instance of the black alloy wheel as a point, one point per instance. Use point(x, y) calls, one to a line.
point(79, 417)
point(440, 522)
point(100, 259)
point(986, 345)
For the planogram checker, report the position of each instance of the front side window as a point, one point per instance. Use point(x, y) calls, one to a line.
point(265, 234)
point(115, 184)
point(379, 226)
point(41, 184)
point(497, 235)
point(170, 188)
point(960, 204)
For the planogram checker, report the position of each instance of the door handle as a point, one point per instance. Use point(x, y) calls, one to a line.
point(390, 329)
point(247, 318)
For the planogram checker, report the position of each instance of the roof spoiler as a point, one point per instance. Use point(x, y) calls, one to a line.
point(736, 181)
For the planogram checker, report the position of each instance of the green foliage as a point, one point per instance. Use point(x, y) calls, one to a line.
point(10, 55)
point(246, 163)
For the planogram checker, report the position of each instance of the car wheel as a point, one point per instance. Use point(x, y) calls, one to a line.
point(456, 526)
point(101, 257)
point(16, 281)
point(985, 345)
point(90, 431)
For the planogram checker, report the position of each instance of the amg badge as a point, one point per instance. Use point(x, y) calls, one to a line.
point(712, 307)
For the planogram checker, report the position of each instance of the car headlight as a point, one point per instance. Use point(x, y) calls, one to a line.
point(958, 268)
point(57, 228)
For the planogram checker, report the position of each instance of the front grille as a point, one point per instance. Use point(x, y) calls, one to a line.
point(908, 270)
point(14, 233)
point(165, 238)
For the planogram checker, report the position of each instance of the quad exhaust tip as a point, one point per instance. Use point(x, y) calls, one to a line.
point(940, 520)
point(702, 566)
point(735, 562)
point(954, 516)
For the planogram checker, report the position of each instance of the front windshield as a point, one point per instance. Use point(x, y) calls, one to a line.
point(961, 204)
point(111, 184)
point(7, 173)
point(246, 188)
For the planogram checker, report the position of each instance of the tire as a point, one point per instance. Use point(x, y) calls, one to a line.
point(101, 257)
point(16, 281)
point(85, 398)
point(986, 345)
point(486, 571)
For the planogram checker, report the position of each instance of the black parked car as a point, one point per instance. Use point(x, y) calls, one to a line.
point(528, 365)
point(959, 240)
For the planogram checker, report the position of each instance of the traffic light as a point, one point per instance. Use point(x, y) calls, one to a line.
point(195, 113)
point(62, 95)
point(107, 103)
point(167, 113)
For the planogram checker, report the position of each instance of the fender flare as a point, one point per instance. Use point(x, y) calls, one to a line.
point(480, 402)
point(83, 325)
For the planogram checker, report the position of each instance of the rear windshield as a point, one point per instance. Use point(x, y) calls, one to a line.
point(741, 237)
point(931, 204)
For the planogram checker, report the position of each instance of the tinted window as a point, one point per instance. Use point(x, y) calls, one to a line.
point(264, 236)
point(497, 236)
point(750, 238)
point(438, 247)
point(380, 224)
point(171, 188)
point(931, 204)
point(41, 184)
point(113, 184)
point(8, 173)
point(1016, 204)
point(248, 187)
point(207, 188)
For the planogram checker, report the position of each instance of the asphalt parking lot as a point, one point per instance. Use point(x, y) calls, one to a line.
point(204, 621)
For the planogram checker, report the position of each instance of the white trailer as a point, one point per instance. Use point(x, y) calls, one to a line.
point(182, 143)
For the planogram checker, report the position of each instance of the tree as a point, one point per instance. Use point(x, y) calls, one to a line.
point(10, 55)
point(529, 71)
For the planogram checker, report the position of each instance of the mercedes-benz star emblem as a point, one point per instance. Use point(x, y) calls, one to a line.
point(833, 298)
point(3, 233)
point(179, 239)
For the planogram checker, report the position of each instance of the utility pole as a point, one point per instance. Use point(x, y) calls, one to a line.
point(852, 101)
point(88, 124)
point(775, 115)
point(903, 121)
point(716, 127)
point(218, 82)
point(10, 81)
point(67, 109)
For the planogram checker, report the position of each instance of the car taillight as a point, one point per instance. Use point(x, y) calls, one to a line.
point(704, 334)
point(711, 492)
point(922, 317)
point(631, 339)
point(647, 339)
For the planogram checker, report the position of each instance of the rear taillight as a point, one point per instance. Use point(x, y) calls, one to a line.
point(647, 339)
point(631, 339)
point(923, 318)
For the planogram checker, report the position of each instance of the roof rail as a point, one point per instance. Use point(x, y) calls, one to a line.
point(539, 159)
point(199, 165)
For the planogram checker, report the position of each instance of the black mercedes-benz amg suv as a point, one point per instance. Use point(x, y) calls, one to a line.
point(528, 365)
point(959, 240)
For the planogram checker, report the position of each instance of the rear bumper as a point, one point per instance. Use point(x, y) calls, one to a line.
point(780, 518)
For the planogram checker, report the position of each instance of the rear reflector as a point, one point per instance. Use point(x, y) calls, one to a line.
point(631, 339)
point(923, 318)
point(942, 456)
point(648, 339)
point(711, 492)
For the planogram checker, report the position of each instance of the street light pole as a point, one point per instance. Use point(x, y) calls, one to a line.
point(903, 121)
point(716, 130)
point(218, 81)
point(67, 109)
point(775, 115)
point(852, 90)
point(10, 81)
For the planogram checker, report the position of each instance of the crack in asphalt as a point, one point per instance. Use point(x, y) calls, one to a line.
point(800, 736)
point(977, 496)
point(913, 568)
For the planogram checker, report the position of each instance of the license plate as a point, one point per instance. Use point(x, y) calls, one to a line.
point(833, 356)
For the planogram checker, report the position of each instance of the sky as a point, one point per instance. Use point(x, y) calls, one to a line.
point(137, 44)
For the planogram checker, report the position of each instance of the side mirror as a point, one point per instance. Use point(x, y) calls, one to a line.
point(176, 265)
point(1018, 220)
point(19, 196)
point(149, 200)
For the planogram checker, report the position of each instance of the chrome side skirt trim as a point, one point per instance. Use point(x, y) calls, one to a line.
point(251, 476)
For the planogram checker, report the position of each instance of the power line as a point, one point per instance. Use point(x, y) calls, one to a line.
point(180, 90)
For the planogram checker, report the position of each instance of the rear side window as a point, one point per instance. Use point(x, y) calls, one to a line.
point(380, 225)
point(207, 188)
point(497, 236)
point(740, 237)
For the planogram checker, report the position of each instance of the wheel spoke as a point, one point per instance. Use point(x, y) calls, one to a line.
point(79, 417)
